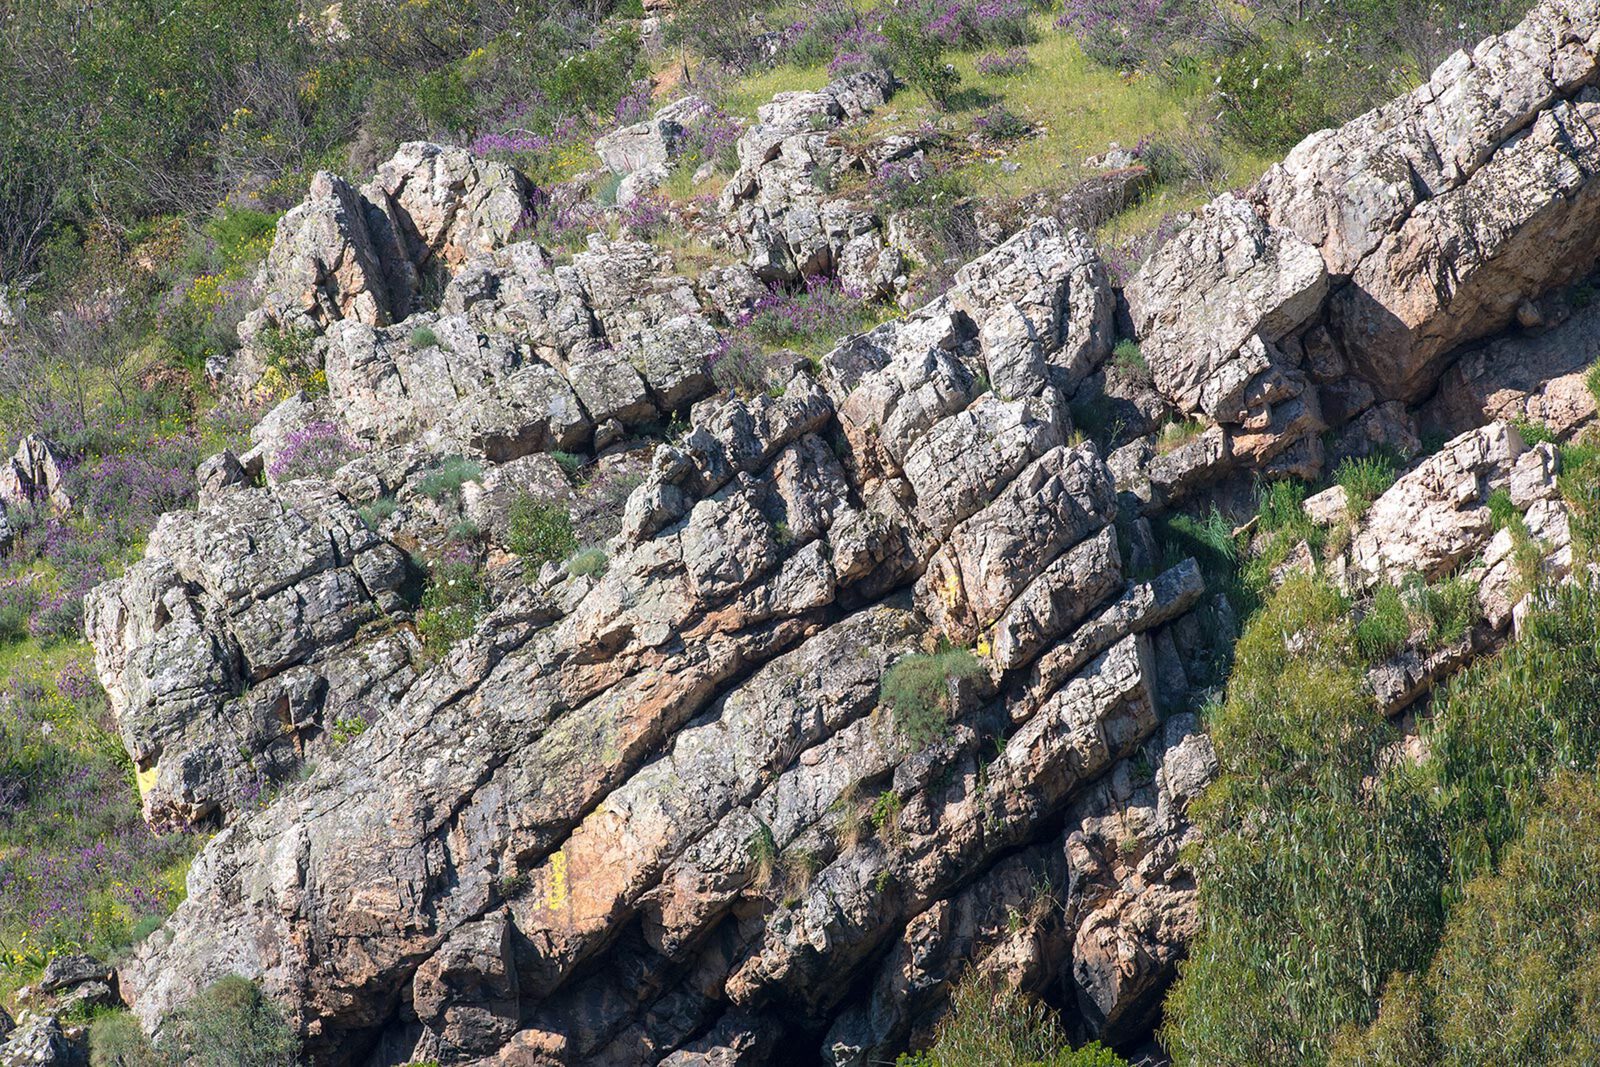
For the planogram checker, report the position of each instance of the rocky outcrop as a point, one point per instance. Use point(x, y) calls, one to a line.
point(596, 763)
point(249, 630)
point(642, 154)
point(364, 256)
point(667, 811)
point(778, 206)
point(39, 1041)
point(1355, 271)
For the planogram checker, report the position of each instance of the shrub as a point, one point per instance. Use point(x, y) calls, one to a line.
point(1533, 432)
point(589, 562)
point(446, 479)
point(999, 124)
point(232, 1024)
point(917, 690)
point(452, 601)
point(1127, 358)
point(918, 58)
point(742, 366)
point(379, 511)
point(423, 337)
point(1448, 608)
point(991, 1025)
point(314, 451)
point(540, 531)
point(1174, 435)
point(1315, 882)
point(290, 360)
point(1007, 64)
point(115, 1040)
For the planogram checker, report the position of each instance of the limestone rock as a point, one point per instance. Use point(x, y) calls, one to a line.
point(65, 972)
point(1211, 305)
point(38, 1041)
point(229, 649)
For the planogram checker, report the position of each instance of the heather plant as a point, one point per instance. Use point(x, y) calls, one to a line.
point(314, 451)
point(646, 217)
point(79, 869)
point(741, 365)
point(1000, 124)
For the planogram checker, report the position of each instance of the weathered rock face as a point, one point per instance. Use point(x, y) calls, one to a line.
point(230, 651)
point(38, 1041)
point(362, 256)
point(641, 154)
point(35, 475)
point(572, 795)
point(660, 814)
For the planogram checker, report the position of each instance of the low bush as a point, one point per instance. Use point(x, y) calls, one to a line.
point(230, 1024)
point(314, 451)
point(453, 599)
point(590, 562)
point(540, 531)
point(996, 1026)
point(918, 58)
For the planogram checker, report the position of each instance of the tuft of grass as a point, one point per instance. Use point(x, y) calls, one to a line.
point(762, 850)
point(1501, 509)
point(379, 511)
point(1385, 627)
point(1533, 432)
point(590, 562)
point(422, 337)
point(448, 477)
point(1176, 434)
point(917, 691)
point(1448, 609)
point(1364, 480)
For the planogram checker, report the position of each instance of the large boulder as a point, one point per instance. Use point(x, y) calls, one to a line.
point(35, 475)
point(343, 254)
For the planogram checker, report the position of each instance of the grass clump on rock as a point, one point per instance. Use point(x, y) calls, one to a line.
point(917, 691)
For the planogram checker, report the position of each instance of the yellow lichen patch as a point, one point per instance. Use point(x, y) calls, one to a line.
point(146, 779)
point(556, 887)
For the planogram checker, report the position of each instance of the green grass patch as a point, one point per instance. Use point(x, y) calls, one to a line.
point(917, 691)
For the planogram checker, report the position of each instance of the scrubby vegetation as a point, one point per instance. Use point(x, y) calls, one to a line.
point(230, 1024)
point(991, 1026)
point(1338, 876)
